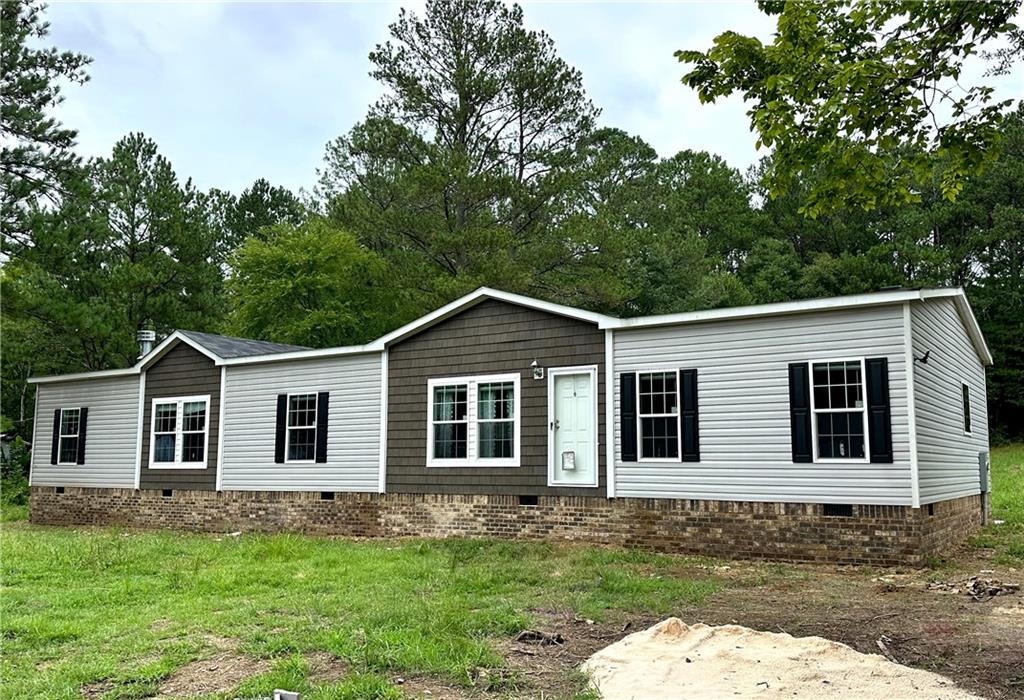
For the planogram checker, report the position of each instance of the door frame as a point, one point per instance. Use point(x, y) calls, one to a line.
point(561, 371)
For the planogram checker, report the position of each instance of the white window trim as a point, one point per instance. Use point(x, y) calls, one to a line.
point(61, 435)
point(288, 429)
point(472, 399)
point(866, 459)
point(678, 416)
point(178, 431)
point(562, 371)
point(965, 409)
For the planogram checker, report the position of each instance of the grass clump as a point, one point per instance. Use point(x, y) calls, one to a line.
point(120, 611)
point(1007, 493)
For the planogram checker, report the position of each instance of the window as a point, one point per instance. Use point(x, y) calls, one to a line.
point(659, 415)
point(67, 450)
point(473, 421)
point(839, 411)
point(496, 418)
point(967, 408)
point(451, 421)
point(180, 432)
point(301, 427)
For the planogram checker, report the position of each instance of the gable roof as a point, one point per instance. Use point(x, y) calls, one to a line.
point(226, 346)
point(483, 294)
point(225, 350)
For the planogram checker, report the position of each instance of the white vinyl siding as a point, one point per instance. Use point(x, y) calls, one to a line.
point(744, 420)
point(354, 418)
point(947, 458)
point(111, 432)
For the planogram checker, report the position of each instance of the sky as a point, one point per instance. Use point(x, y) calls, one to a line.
point(236, 91)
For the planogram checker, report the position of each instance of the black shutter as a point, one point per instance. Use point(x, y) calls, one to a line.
point(56, 436)
point(879, 415)
point(691, 432)
point(321, 426)
point(627, 412)
point(279, 434)
point(800, 412)
point(83, 415)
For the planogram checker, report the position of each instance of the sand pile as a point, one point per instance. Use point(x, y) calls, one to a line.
point(674, 661)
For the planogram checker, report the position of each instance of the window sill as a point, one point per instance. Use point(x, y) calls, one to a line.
point(69, 464)
point(178, 465)
point(574, 484)
point(300, 461)
point(432, 464)
point(839, 461)
point(659, 460)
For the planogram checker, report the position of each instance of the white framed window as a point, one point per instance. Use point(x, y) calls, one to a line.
point(473, 421)
point(180, 432)
point(70, 427)
point(966, 391)
point(839, 422)
point(301, 428)
point(658, 416)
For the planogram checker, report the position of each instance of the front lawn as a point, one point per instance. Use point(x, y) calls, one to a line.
point(111, 614)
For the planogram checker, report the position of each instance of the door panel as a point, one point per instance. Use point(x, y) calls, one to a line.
point(573, 429)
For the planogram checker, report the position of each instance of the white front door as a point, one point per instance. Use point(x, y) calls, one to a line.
point(572, 426)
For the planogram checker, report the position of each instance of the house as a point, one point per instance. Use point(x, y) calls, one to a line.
point(848, 429)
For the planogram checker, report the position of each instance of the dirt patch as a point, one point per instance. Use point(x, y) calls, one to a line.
point(975, 643)
point(325, 668)
point(672, 659)
point(216, 674)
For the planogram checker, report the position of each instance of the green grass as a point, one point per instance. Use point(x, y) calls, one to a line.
point(123, 609)
point(1006, 539)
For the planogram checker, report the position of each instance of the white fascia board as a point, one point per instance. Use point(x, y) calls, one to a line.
point(483, 294)
point(80, 376)
point(167, 343)
point(303, 354)
point(966, 313)
point(777, 309)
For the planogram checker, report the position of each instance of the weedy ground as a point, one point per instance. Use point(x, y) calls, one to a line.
point(103, 613)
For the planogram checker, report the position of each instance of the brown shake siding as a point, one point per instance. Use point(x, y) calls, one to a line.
point(183, 371)
point(493, 337)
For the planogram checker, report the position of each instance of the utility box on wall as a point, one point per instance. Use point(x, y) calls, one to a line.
point(983, 465)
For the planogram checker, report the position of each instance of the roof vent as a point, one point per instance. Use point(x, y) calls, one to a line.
point(145, 338)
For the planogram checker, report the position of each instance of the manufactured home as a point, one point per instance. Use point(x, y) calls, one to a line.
point(847, 429)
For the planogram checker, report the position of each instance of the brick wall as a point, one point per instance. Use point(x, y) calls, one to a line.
point(731, 529)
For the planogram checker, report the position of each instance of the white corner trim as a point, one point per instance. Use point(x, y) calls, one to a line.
point(35, 434)
point(609, 409)
point(220, 428)
point(141, 427)
point(383, 457)
point(908, 348)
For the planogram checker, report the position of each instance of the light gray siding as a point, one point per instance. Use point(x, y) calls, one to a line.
point(111, 432)
point(743, 396)
point(353, 438)
point(947, 458)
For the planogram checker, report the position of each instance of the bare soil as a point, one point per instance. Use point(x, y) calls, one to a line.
point(979, 644)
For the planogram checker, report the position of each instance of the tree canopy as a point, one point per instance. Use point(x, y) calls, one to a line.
point(861, 99)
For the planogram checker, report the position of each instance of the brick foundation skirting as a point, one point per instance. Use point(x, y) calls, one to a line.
point(882, 535)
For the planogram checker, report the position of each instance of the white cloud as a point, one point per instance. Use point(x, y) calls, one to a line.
point(236, 91)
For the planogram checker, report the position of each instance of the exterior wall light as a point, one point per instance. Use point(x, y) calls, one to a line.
point(538, 371)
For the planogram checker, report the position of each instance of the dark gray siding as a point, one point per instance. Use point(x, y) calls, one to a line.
point(490, 338)
point(183, 371)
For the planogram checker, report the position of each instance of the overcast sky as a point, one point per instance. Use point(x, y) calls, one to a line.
point(236, 91)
